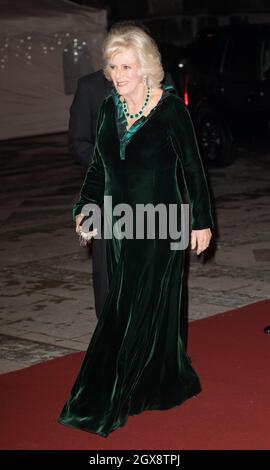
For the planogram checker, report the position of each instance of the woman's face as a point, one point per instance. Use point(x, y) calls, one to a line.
point(125, 71)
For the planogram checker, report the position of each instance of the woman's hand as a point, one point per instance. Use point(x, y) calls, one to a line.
point(78, 221)
point(200, 239)
point(84, 237)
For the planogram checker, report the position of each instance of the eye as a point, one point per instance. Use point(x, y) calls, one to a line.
point(126, 67)
point(111, 66)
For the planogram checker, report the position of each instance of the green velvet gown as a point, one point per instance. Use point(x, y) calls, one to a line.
point(136, 359)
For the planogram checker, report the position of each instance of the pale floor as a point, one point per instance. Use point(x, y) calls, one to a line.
point(47, 307)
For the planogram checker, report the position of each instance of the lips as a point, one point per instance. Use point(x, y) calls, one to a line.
point(121, 83)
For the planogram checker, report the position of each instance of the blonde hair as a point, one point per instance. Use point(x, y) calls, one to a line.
point(123, 36)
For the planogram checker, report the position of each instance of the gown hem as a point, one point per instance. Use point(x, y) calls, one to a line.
point(151, 408)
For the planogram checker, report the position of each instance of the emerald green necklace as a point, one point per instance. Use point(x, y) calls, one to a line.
point(139, 113)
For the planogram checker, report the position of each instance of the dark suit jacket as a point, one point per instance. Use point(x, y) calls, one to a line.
point(91, 91)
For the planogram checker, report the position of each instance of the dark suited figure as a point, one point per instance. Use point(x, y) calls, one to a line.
point(91, 91)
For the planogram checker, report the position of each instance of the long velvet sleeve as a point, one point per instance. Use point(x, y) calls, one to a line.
point(93, 186)
point(185, 144)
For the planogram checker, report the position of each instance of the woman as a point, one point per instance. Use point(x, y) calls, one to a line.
point(136, 359)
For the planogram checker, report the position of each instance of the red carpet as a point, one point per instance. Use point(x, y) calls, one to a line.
point(230, 352)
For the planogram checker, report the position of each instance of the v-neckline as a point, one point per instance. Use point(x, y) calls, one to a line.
point(126, 135)
point(143, 115)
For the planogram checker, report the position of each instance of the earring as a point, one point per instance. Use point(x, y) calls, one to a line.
point(144, 80)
